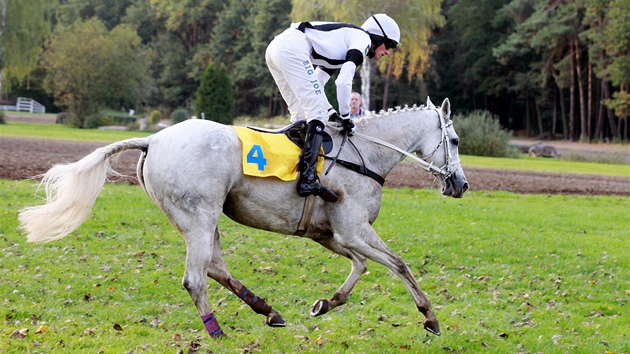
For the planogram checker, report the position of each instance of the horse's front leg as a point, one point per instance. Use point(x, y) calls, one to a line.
point(372, 247)
point(218, 271)
point(340, 297)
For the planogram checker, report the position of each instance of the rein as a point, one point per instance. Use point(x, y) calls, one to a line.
point(443, 171)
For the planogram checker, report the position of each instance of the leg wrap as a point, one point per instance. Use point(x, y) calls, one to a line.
point(212, 325)
point(259, 305)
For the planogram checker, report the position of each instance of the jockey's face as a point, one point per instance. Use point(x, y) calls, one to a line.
point(380, 51)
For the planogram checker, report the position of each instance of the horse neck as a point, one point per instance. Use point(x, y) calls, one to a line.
point(404, 129)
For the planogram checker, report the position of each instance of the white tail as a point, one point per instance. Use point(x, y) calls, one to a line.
point(71, 191)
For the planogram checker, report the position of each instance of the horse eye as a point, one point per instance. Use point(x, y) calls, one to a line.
point(455, 141)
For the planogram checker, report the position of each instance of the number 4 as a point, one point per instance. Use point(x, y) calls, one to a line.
point(256, 156)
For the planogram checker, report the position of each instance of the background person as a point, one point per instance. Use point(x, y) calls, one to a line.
point(355, 106)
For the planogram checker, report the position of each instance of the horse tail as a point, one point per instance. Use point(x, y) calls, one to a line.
point(71, 190)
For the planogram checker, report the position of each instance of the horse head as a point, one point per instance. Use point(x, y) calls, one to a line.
point(439, 148)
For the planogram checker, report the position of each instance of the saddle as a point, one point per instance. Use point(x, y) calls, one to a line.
point(296, 132)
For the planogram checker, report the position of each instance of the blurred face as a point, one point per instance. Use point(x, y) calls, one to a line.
point(380, 51)
point(355, 101)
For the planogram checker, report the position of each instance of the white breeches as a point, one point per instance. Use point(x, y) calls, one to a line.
point(288, 59)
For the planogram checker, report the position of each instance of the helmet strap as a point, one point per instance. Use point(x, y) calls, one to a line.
point(379, 26)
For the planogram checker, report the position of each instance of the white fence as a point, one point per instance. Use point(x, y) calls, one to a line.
point(25, 105)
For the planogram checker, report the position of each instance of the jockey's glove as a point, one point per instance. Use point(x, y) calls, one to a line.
point(346, 122)
point(348, 125)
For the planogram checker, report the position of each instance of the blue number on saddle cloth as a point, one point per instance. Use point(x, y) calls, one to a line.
point(256, 156)
point(270, 155)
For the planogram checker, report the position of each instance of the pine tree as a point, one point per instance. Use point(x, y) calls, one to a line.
point(215, 98)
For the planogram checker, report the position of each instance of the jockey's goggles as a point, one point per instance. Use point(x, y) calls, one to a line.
point(390, 43)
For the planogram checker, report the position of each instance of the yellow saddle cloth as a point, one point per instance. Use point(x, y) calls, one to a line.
point(270, 155)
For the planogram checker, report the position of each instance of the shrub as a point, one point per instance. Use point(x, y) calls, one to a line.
point(155, 116)
point(62, 117)
point(179, 115)
point(105, 118)
point(480, 134)
point(215, 97)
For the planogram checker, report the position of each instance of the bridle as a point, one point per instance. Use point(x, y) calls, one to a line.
point(445, 170)
point(441, 173)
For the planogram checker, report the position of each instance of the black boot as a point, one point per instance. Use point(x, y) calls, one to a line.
point(309, 183)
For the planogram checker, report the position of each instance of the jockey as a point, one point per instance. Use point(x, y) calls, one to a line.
point(302, 59)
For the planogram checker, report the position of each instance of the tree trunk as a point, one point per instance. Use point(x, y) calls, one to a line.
point(528, 119)
point(589, 114)
point(365, 84)
point(563, 115)
point(572, 95)
point(539, 118)
point(611, 116)
point(3, 24)
point(598, 136)
point(554, 117)
point(578, 69)
point(388, 75)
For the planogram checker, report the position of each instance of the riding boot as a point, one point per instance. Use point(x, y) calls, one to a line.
point(309, 182)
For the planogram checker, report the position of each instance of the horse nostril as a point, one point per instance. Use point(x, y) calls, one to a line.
point(465, 188)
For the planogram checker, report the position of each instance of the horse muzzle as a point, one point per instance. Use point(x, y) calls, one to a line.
point(455, 186)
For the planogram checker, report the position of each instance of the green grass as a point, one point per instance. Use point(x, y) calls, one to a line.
point(62, 132)
point(525, 163)
point(505, 273)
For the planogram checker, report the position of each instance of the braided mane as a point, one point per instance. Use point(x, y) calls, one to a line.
point(390, 111)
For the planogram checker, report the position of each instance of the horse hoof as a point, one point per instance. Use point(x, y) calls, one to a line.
point(432, 326)
point(219, 335)
point(320, 307)
point(275, 320)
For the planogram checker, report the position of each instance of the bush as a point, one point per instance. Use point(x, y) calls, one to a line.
point(480, 134)
point(155, 116)
point(2, 118)
point(215, 98)
point(179, 115)
point(105, 118)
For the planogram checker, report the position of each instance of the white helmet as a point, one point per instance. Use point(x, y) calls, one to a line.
point(383, 26)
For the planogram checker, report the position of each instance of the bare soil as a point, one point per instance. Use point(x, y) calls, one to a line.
point(24, 158)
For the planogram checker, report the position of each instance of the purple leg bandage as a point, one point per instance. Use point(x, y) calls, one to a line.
point(212, 325)
point(247, 296)
point(258, 304)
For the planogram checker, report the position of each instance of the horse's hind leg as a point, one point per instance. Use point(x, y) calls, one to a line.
point(200, 247)
point(219, 272)
point(340, 297)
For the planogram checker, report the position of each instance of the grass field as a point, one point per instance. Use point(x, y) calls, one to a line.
point(62, 132)
point(506, 273)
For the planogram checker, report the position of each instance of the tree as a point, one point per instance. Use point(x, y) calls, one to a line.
point(109, 12)
point(90, 68)
point(239, 41)
point(611, 52)
point(184, 26)
point(23, 26)
point(215, 99)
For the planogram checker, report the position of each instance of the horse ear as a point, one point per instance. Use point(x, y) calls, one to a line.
point(429, 103)
point(446, 109)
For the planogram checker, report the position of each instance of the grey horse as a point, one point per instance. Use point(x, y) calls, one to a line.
point(193, 172)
